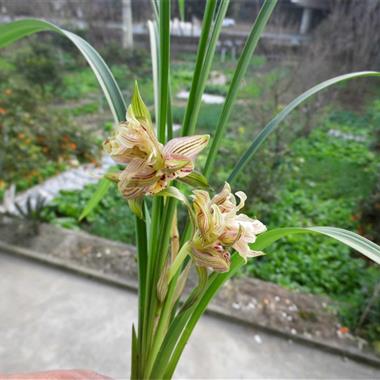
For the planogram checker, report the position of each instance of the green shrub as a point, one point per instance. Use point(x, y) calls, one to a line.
point(39, 65)
point(111, 219)
point(37, 141)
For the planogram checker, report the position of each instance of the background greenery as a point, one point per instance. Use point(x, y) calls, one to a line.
point(303, 176)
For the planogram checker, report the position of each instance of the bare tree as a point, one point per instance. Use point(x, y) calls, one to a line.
point(347, 40)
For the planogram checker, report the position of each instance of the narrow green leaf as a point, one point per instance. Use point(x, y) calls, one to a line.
point(15, 30)
point(169, 122)
point(164, 52)
point(240, 71)
point(199, 63)
point(102, 189)
point(194, 108)
point(275, 122)
point(154, 57)
point(155, 9)
point(134, 355)
point(142, 259)
point(181, 8)
point(355, 241)
point(170, 340)
point(214, 284)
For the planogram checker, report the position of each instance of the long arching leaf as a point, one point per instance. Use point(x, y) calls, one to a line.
point(275, 122)
point(15, 30)
point(355, 241)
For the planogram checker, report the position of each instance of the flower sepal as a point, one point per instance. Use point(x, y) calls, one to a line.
point(136, 207)
point(138, 109)
point(196, 180)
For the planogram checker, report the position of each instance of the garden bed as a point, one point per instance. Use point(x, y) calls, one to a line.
point(295, 315)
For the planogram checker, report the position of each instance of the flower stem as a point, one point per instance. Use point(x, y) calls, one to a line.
point(184, 251)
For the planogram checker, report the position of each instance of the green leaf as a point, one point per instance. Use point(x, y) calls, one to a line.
point(214, 284)
point(275, 122)
point(142, 260)
point(134, 355)
point(195, 179)
point(240, 71)
point(138, 107)
point(101, 191)
point(154, 57)
point(181, 8)
point(355, 241)
point(164, 52)
point(205, 54)
point(15, 30)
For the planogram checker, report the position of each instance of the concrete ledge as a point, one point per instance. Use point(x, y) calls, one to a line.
point(234, 301)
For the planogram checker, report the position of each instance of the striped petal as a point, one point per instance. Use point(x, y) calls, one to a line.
point(214, 256)
point(136, 179)
point(132, 168)
point(144, 178)
point(188, 146)
point(132, 192)
point(174, 163)
point(201, 208)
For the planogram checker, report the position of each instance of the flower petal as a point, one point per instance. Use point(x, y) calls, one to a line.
point(242, 247)
point(175, 163)
point(188, 146)
point(214, 257)
point(136, 179)
point(243, 197)
point(201, 208)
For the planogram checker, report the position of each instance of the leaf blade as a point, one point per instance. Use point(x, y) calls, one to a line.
point(240, 71)
point(102, 189)
point(275, 122)
point(16, 30)
point(354, 241)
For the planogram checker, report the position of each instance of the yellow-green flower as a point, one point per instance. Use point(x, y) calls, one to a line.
point(219, 227)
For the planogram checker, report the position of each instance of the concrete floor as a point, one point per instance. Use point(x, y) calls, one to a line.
point(52, 319)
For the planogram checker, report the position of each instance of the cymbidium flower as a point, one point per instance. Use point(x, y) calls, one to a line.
point(219, 227)
point(133, 139)
point(150, 166)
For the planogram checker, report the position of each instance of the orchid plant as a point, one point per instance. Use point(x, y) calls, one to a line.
point(157, 175)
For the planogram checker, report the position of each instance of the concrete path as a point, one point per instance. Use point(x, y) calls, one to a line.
point(54, 319)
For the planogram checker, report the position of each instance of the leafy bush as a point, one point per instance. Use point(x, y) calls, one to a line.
point(47, 138)
point(111, 219)
point(39, 65)
point(137, 60)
